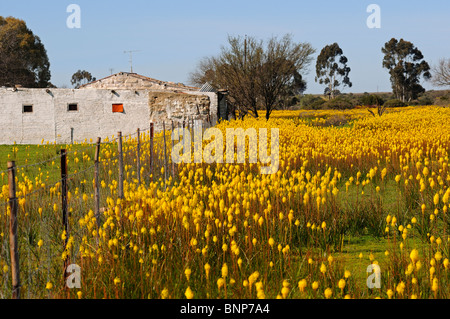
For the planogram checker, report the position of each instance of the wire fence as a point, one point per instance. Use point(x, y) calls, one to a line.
point(47, 239)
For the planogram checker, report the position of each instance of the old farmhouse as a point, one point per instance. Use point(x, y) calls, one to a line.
point(120, 102)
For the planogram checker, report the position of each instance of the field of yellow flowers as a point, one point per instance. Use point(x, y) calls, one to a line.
point(374, 192)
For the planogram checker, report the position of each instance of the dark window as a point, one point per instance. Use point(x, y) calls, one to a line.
point(73, 107)
point(28, 109)
point(117, 108)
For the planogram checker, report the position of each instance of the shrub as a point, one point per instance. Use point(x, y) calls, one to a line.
point(395, 103)
point(339, 104)
point(371, 100)
point(309, 101)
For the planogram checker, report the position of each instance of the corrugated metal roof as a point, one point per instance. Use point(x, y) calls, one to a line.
point(208, 88)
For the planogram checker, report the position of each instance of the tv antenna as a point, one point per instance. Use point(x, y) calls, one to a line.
point(131, 58)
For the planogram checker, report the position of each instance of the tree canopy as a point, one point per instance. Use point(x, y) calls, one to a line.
point(406, 66)
point(80, 78)
point(332, 70)
point(23, 58)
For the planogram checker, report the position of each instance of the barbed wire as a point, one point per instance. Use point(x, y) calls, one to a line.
point(38, 163)
point(40, 189)
point(70, 176)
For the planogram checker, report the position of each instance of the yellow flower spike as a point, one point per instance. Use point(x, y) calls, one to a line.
point(418, 265)
point(207, 270)
point(189, 294)
point(315, 285)
point(341, 284)
point(187, 273)
point(302, 285)
point(445, 263)
point(323, 268)
point(328, 292)
point(435, 285)
point(224, 270)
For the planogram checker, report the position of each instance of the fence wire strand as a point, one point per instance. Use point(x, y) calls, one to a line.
point(40, 246)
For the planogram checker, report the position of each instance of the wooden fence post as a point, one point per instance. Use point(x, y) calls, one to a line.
point(120, 150)
point(152, 134)
point(13, 244)
point(165, 155)
point(138, 156)
point(65, 220)
point(173, 164)
point(96, 182)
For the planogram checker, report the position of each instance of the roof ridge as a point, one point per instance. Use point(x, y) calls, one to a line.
point(143, 77)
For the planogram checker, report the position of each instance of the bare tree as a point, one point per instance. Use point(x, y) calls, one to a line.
point(235, 69)
point(441, 73)
point(283, 61)
point(255, 75)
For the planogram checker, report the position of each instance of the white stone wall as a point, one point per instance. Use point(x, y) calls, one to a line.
point(51, 120)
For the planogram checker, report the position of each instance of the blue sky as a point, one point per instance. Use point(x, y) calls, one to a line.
point(173, 36)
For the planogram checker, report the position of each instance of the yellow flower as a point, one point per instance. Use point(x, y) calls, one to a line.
point(341, 284)
point(285, 292)
point(414, 255)
point(116, 281)
point(271, 242)
point(315, 285)
point(165, 293)
point(302, 285)
point(390, 293)
point(79, 294)
point(347, 274)
point(438, 256)
point(435, 285)
point(400, 288)
point(445, 263)
point(328, 293)
point(207, 268)
point(224, 271)
point(220, 283)
point(49, 286)
point(40, 243)
point(330, 259)
point(5, 269)
point(187, 272)
point(418, 265)
point(189, 294)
